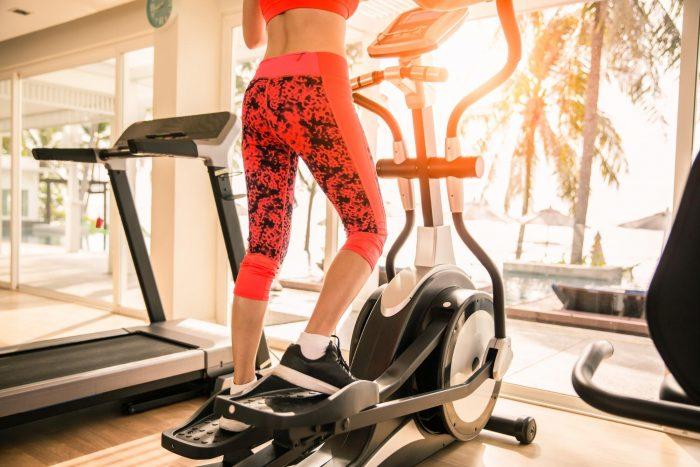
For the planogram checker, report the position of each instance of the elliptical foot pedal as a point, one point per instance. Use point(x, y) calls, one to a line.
point(204, 432)
point(201, 438)
point(291, 406)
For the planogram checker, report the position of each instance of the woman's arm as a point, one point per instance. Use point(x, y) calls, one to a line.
point(254, 33)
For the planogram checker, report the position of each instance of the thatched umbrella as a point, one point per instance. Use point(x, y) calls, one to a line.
point(482, 211)
point(549, 217)
point(659, 221)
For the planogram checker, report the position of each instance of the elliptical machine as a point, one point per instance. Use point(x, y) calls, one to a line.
point(430, 348)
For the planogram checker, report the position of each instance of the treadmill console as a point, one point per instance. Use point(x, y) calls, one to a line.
point(416, 32)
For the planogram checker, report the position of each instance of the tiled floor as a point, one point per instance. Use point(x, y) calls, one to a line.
point(545, 355)
point(28, 318)
point(84, 274)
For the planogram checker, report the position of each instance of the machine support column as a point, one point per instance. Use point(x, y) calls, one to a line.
point(137, 244)
point(430, 192)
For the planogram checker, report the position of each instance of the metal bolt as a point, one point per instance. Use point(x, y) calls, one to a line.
point(231, 409)
point(446, 304)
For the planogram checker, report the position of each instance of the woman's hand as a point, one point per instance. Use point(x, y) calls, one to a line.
point(254, 32)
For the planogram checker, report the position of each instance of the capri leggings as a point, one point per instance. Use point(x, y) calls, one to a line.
point(300, 105)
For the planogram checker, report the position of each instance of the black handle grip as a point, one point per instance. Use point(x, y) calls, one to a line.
point(86, 155)
point(173, 147)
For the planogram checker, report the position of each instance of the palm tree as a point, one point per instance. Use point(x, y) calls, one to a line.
point(547, 96)
point(639, 40)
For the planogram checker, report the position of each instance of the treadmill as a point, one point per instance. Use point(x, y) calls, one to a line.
point(145, 366)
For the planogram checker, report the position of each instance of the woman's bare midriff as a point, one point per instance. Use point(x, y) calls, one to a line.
point(305, 30)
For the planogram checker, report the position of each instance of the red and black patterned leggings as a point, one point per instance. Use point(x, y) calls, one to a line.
point(300, 105)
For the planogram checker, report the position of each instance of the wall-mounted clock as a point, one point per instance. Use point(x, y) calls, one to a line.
point(158, 12)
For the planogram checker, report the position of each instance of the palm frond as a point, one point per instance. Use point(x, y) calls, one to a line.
point(609, 152)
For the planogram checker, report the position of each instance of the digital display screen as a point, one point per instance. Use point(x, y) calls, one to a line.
point(416, 17)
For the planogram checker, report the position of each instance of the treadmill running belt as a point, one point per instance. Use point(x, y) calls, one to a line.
point(42, 364)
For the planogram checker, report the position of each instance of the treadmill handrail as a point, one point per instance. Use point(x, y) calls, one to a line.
point(85, 155)
point(671, 414)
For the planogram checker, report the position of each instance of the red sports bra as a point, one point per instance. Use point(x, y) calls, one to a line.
point(272, 8)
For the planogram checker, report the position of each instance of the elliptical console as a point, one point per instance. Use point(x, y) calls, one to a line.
point(416, 32)
point(430, 348)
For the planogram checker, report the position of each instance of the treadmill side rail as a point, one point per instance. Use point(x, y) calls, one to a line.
point(55, 391)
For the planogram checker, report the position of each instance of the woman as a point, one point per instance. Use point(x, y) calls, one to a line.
point(299, 105)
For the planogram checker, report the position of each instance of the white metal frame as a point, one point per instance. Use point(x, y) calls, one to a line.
point(224, 298)
point(16, 180)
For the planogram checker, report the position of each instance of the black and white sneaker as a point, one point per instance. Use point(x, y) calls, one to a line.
point(327, 374)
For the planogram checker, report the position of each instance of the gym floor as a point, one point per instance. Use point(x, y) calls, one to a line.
point(101, 436)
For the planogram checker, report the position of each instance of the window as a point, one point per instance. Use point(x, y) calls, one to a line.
point(65, 214)
point(6, 203)
point(696, 137)
point(5, 176)
point(531, 135)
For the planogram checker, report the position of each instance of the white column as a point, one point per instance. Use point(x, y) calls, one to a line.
point(73, 210)
point(16, 180)
point(686, 96)
point(184, 224)
point(118, 255)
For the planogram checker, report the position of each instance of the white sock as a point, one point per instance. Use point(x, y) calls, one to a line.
point(313, 346)
point(236, 389)
point(239, 388)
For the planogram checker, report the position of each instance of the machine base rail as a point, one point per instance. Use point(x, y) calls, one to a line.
point(169, 396)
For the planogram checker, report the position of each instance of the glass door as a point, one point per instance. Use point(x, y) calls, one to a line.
point(65, 205)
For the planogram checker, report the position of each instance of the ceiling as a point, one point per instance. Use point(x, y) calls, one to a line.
point(46, 13)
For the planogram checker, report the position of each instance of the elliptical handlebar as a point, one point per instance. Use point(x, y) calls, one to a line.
point(671, 414)
point(506, 15)
point(380, 111)
point(420, 73)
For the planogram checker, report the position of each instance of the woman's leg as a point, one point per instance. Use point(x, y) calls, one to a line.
point(316, 118)
point(344, 280)
point(246, 330)
point(342, 164)
point(270, 171)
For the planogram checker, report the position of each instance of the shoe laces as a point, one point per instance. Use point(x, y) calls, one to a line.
point(341, 360)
